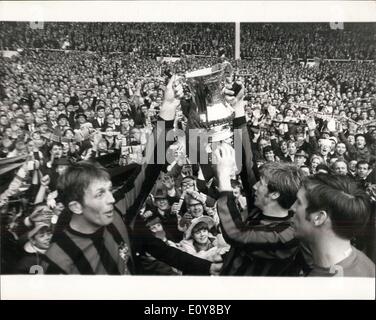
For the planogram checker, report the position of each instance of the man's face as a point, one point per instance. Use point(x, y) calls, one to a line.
point(262, 195)
point(188, 185)
point(362, 170)
point(156, 228)
point(300, 139)
point(351, 139)
point(302, 226)
point(340, 168)
point(52, 115)
point(125, 123)
point(62, 122)
point(300, 160)
point(4, 121)
point(57, 152)
point(269, 156)
point(263, 143)
point(39, 113)
point(325, 148)
point(284, 147)
point(360, 142)
point(101, 113)
point(162, 204)
point(341, 148)
point(29, 118)
point(195, 208)
point(352, 165)
point(291, 148)
point(98, 204)
point(110, 119)
point(236, 191)
point(20, 123)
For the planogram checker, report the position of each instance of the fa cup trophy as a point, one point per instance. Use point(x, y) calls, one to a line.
point(210, 117)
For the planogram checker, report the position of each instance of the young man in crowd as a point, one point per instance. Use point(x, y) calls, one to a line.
point(362, 170)
point(330, 210)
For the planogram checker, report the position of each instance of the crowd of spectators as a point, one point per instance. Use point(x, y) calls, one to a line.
point(59, 108)
point(285, 40)
point(148, 39)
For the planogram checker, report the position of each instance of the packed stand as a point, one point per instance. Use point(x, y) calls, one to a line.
point(309, 40)
point(147, 39)
point(58, 109)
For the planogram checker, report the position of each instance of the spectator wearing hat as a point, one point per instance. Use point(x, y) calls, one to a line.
point(359, 150)
point(200, 242)
point(194, 207)
point(163, 211)
point(300, 158)
point(63, 123)
point(34, 249)
point(81, 118)
point(150, 265)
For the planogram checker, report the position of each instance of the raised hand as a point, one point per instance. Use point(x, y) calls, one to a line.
point(311, 123)
point(216, 266)
point(41, 214)
point(224, 157)
point(45, 180)
point(234, 101)
point(173, 94)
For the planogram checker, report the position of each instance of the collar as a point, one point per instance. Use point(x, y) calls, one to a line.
point(96, 234)
point(30, 248)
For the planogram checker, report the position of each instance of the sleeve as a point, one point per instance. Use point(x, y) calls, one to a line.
point(144, 241)
point(130, 198)
point(94, 103)
point(236, 232)
point(313, 143)
point(247, 173)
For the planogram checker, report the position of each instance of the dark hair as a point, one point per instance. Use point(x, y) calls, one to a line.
point(267, 149)
point(200, 226)
point(76, 179)
point(347, 205)
point(284, 178)
point(55, 143)
point(359, 135)
point(359, 163)
point(322, 166)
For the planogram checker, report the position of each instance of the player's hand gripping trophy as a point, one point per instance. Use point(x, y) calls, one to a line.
point(208, 104)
